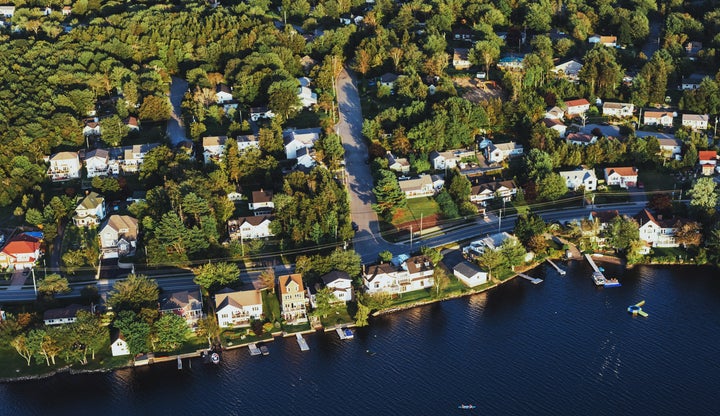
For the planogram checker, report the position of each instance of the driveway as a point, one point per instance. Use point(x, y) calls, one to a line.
point(367, 241)
point(653, 40)
point(175, 126)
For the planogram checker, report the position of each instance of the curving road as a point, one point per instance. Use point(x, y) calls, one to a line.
point(367, 241)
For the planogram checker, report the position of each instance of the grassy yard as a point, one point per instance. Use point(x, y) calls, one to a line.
point(340, 317)
point(241, 336)
point(296, 328)
point(416, 208)
point(656, 181)
point(411, 297)
point(305, 119)
point(613, 194)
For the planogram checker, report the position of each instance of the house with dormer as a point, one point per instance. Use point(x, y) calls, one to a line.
point(255, 226)
point(397, 164)
point(135, 155)
point(213, 148)
point(184, 303)
point(415, 273)
point(485, 192)
point(118, 236)
point(223, 94)
point(580, 177)
point(620, 110)
point(90, 211)
point(292, 298)
point(658, 118)
point(656, 231)
point(238, 308)
point(97, 163)
point(64, 166)
point(450, 158)
point(624, 177)
point(261, 202)
point(295, 139)
point(20, 252)
point(417, 187)
point(498, 153)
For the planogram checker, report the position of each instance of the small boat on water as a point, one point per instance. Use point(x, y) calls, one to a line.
point(254, 350)
point(215, 358)
point(345, 333)
point(370, 353)
point(612, 283)
point(264, 350)
point(467, 406)
point(598, 278)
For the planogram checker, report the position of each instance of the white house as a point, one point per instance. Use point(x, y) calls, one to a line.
point(66, 315)
point(576, 107)
point(397, 164)
point(307, 97)
point(460, 59)
point(415, 273)
point(557, 125)
point(449, 159)
point(418, 187)
point(568, 70)
point(21, 252)
point(135, 155)
point(580, 139)
point(574, 179)
point(296, 139)
point(64, 166)
point(388, 80)
point(92, 127)
point(657, 232)
point(670, 146)
point(707, 159)
point(555, 113)
point(96, 162)
point(662, 118)
point(223, 94)
point(612, 109)
point(213, 148)
point(90, 211)
point(491, 242)
point(7, 11)
point(256, 113)
point(293, 302)
point(624, 177)
point(119, 346)
point(511, 62)
point(340, 285)
point(497, 153)
point(256, 226)
point(132, 123)
point(505, 190)
point(306, 157)
point(247, 141)
point(118, 236)
point(692, 82)
point(185, 303)
point(470, 274)
point(238, 308)
point(261, 202)
point(695, 121)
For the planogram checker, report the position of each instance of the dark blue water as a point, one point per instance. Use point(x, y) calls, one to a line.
point(560, 347)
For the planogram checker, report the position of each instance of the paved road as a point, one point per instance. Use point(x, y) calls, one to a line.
point(367, 241)
point(653, 41)
point(175, 127)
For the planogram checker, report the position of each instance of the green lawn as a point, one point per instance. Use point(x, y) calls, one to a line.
point(656, 181)
point(305, 119)
point(612, 195)
point(411, 297)
point(416, 208)
point(340, 317)
point(235, 336)
point(296, 328)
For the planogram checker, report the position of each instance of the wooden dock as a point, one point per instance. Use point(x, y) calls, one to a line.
point(302, 343)
point(343, 334)
point(533, 280)
point(560, 271)
point(254, 350)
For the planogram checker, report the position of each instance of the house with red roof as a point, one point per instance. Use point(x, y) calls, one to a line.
point(707, 159)
point(624, 177)
point(20, 252)
point(576, 107)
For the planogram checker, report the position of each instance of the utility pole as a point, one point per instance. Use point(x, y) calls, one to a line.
point(499, 220)
point(411, 233)
point(34, 284)
point(421, 220)
point(335, 98)
point(242, 245)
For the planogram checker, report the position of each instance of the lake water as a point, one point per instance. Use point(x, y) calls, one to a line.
point(560, 347)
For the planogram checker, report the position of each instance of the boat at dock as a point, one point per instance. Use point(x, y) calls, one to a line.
point(599, 279)
point(302, 343)
point(264, 350)
point(215, 358)
point(254, 350)
point(467, 406)
point(345, 333)
point(612, 283)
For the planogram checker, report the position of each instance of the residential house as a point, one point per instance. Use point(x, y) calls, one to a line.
point(119, 346)
point(612, 109)
point(305, 95)
point(707, 159)
point(491, 242)
point(576, 107)
point(460, 59)
point(67, 11)
point(417, 188)
point(236, 194)
point(97, 163)
point(470, 274)
point(581, 176)
point(66, 315)
point(256, 226)
point(597, 222)
point(568, 70)
point(132, 123)
point(603, 218)
point(557, 125)
point(693, 81)
point(306, 157)
point(696, 121)
point(213, 148)
point(413, 274)
point(555, 113)
point(340, 285)
point(64, 166)
point(658, 118)
point(245, 142)
point(92, 127)
point(90, 211)
point(656, 231)
point(223, 94)
point(624, 177)
point(580, 139)
point(692, 48)
point(261, 202)
point(462, 33)
point(20, 252)
point(292, 298)
point(670, 146)
point(118, 236)
point(497, 153)
point(7, 11)
point(307, 63)
point(397, 164)
point(185, 303)
point(135, 155)
point(256, 113)
point(238, 308)
point(438, 182)
point(449, 159)
point(388, 80)
point(296, 139)
point(609, 41)
point(505, 190)
point(511, 62)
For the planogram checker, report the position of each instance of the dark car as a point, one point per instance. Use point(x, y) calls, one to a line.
point(355, 226)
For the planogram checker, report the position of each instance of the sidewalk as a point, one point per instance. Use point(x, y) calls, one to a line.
point(18, 280)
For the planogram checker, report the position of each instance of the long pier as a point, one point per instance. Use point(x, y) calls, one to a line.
point(598, 277)
point(533, 280)
point(302, 343)
point(560, 271)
